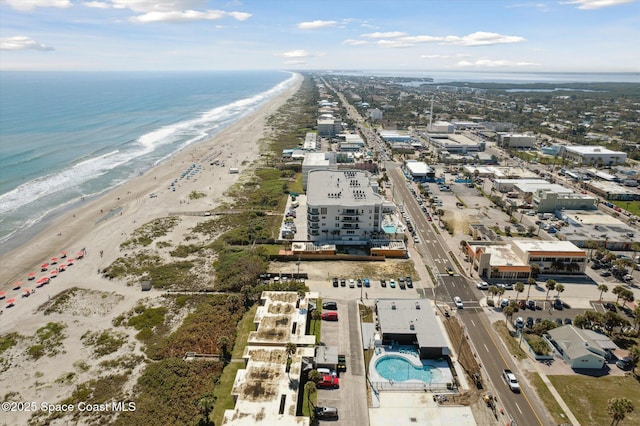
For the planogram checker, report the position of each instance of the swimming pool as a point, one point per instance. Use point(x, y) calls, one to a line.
point(399, 369)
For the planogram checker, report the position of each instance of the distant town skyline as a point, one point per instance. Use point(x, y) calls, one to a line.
point(459, 35)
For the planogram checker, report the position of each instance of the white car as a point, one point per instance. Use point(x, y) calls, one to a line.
point(483, 285)
point(352, 283)
point(458, 302)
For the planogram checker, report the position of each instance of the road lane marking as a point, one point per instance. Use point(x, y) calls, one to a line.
point(485, 346)
point(518, 407)
point(474, 324)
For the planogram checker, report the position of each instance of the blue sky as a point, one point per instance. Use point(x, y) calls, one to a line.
point(471, 35)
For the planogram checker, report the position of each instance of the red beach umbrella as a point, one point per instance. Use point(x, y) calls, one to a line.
point(70, 261)
point(54, 273)
point(10, 302)
point(32, 276)
point(16, 285)
point(44, 266)
point(62, 267)
point(54, 260)
point(42, 281)
point(80, 255)
point(63, 254)
point(2, 294)
point(26, 292)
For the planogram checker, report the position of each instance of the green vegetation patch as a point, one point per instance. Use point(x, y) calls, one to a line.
point(509, 340)
point(102, 390)
point(547, 398)
point(105, 342)
point(587, 396)
point(209, 329)
point(8, 341)
point(539, 346)
point(148, 232)
point(49, 340)
point(169, 390)
point(185, 250)
point(237, 268)
point(195, 195)
point(57, 303)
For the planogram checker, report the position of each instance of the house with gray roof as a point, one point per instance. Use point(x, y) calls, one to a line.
point(582, 348)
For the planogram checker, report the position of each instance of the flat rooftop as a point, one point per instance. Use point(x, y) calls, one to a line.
point(501, 255)
point(590, 149)
point(547, 246)
point(346, 188)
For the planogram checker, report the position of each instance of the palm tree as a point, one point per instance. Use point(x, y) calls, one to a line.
point(603, 289)
point(205, 405)
point(310, 389)
point(634, 354)
point(291, 349)
point(550, 285)
point(519, 287)
point(315, 316)
point(618, 408)
point(315, 376)
point(223, 342)
point(618, 290)
point(508, 312)
point(559, 289)
point(492, 290)
point(531, 282)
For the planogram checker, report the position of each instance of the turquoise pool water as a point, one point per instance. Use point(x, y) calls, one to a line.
point(390, 229)
point(399, 369)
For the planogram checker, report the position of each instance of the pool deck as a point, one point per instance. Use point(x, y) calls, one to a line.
point(441, 374)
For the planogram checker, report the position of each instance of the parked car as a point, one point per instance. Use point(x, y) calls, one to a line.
point(531, 304)
point(605, 273)
point(359, 282)
point(522, 304)
point(330, 306)
point(392, 283)
point(409, 282)
point(330, 316)
point(329, 382)
point(352, 283)
point(625, 363)
point(450, 270)
point(483, 285)
point(557, 304)
point(367, 283)
point(519, 322)
point(504, 303)
point(383, 283)
point(343, 282)
point(529, 322)
point(326, 413)
point(335, 282)
point(567, 321)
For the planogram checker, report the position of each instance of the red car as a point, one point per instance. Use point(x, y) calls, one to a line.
point(329, 382)
point(330, 316)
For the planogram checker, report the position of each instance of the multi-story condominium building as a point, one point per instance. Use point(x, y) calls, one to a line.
point(343, 207)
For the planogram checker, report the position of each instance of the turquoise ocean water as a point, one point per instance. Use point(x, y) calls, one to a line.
point(66, 135)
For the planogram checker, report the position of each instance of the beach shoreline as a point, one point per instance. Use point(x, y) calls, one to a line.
point(101, 224)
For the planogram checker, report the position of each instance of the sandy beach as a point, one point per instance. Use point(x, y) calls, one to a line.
point(99, 227)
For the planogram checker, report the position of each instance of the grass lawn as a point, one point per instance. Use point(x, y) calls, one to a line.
point(547, 398)
point(512, 343)
point(245, 326)
point(224, 399)
point(587, 396)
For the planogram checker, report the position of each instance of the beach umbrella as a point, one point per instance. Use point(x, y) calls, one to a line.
point(26, 292)
point(42, 281)
point(17, 285)
point(80, 255)
point(10, 302)
point(54, 260)
point(62, 267)
point(63, 254)
point(44, 266)
point(54, 273)
point(70, 261)
point(2, 294)
point(32, 276)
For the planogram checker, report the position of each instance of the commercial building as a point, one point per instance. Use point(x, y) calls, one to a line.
point(419, 170)
point(503, 260)
point(548, 201)
point(581, 348)
point(343, 207)
point(612, 190)
point(513, 140)
point(582, 226)
point(454, 143)
point(311, 142)
point(412, 322)
point(593, 155)
point(262, 391)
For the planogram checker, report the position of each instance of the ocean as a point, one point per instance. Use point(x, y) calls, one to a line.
point(69, 135)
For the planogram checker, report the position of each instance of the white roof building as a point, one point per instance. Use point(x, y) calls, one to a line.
point(593, 155)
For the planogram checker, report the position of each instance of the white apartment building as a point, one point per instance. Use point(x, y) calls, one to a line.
point(513, 140)
point(343, 207)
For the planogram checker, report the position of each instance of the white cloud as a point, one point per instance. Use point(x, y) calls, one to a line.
point(352, 42)
point(420, 39)
point(312, 25)
point(145, 6)
point(294, 54)
point(491, 63)
point(27, 5)
point(435, 56)
point(389, 34)
point(22, 43)
point(542, 7)
point(394, 44)
point(187, 15)
point(482, 39)
point(295, 62)
point(96, 4)
point(597, 4)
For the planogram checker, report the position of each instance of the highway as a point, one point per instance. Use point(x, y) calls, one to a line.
point(491, 352)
